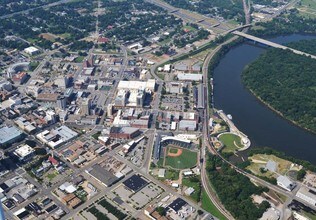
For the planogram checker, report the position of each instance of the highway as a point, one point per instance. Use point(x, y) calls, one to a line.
point(271, 44)
point(206, 142)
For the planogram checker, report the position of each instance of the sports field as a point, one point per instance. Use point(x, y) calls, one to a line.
point(180, 158)
point(231, 142)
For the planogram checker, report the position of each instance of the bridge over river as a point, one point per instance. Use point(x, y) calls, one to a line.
point(271, 44)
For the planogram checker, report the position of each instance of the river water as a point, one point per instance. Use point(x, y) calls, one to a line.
point(258, 122)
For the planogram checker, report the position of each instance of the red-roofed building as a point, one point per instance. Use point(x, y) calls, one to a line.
point(20, 77)
point(103, 40)
point(53, 161)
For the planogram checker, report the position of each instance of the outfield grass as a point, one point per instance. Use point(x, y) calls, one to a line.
point(210, 207)
point(186, 160)
point(196, 186)
point(231, 142)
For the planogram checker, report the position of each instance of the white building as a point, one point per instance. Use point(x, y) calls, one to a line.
point(174, 87)
point(56, 137)
point(24, 153)
point(31, 50)
point(187, 125)
point(190, 77)
point(285, 183)
point(167, 68)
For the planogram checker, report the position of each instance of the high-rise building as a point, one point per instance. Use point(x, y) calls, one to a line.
point(61, 102)
point(85, 106)
point(109, 110)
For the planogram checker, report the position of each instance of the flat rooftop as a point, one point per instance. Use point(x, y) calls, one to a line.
point(9, 133)
point(102, 175)
point(135, 183)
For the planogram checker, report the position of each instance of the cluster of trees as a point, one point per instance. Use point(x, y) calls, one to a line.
point(81, 45)
point(96, 213)
point(190, 38)
point(287, 24)
point(11, 6)
point(112, 209)
point(227, 9)
point(308, 46)
point(121, 20)
point(286, 82)
point(235, 190)
point(60, 20)
point(13, 44)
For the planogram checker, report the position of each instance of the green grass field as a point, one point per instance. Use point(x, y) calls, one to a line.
point(186, 160)
point(210, 207)
point(196, 186)
point(307, 8)
point(231, 142)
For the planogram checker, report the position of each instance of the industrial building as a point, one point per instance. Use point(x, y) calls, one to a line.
point(307, 195)
point(135, 183)
point(201, 97)
point(9, 135)
point(190, 77)
point(285, 183)
point(102, 175)
point(187, 125)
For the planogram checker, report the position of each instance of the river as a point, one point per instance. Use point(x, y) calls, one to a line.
point(258, 122)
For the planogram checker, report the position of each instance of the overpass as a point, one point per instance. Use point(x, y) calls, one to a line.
point(271, 44)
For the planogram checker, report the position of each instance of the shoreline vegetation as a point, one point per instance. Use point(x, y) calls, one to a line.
point(297, 27)
point(275, 111)
point(286, 84)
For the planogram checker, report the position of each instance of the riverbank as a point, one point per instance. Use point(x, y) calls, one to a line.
point(262, 125)
point(278, 112)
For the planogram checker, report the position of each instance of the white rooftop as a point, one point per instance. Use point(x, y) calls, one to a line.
point(24, 151)
point(135, 85)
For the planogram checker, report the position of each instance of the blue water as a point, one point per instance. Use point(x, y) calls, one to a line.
point(263, 126)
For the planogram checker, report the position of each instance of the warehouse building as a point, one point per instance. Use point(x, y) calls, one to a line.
point(285, 183)
point(201, 97)
point(307, 195)
point(187, 125)
point(9, 135)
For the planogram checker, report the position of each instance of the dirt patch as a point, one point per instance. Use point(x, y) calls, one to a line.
point(48, 36)
point(177, 154)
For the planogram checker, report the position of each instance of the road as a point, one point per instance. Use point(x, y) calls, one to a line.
point(204, 177)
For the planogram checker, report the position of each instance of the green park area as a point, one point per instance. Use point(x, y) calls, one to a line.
point(210, 207)
point(186, 159)
point(258, 163)
point(307, 8)
point(195, 183)
point(231, 142)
